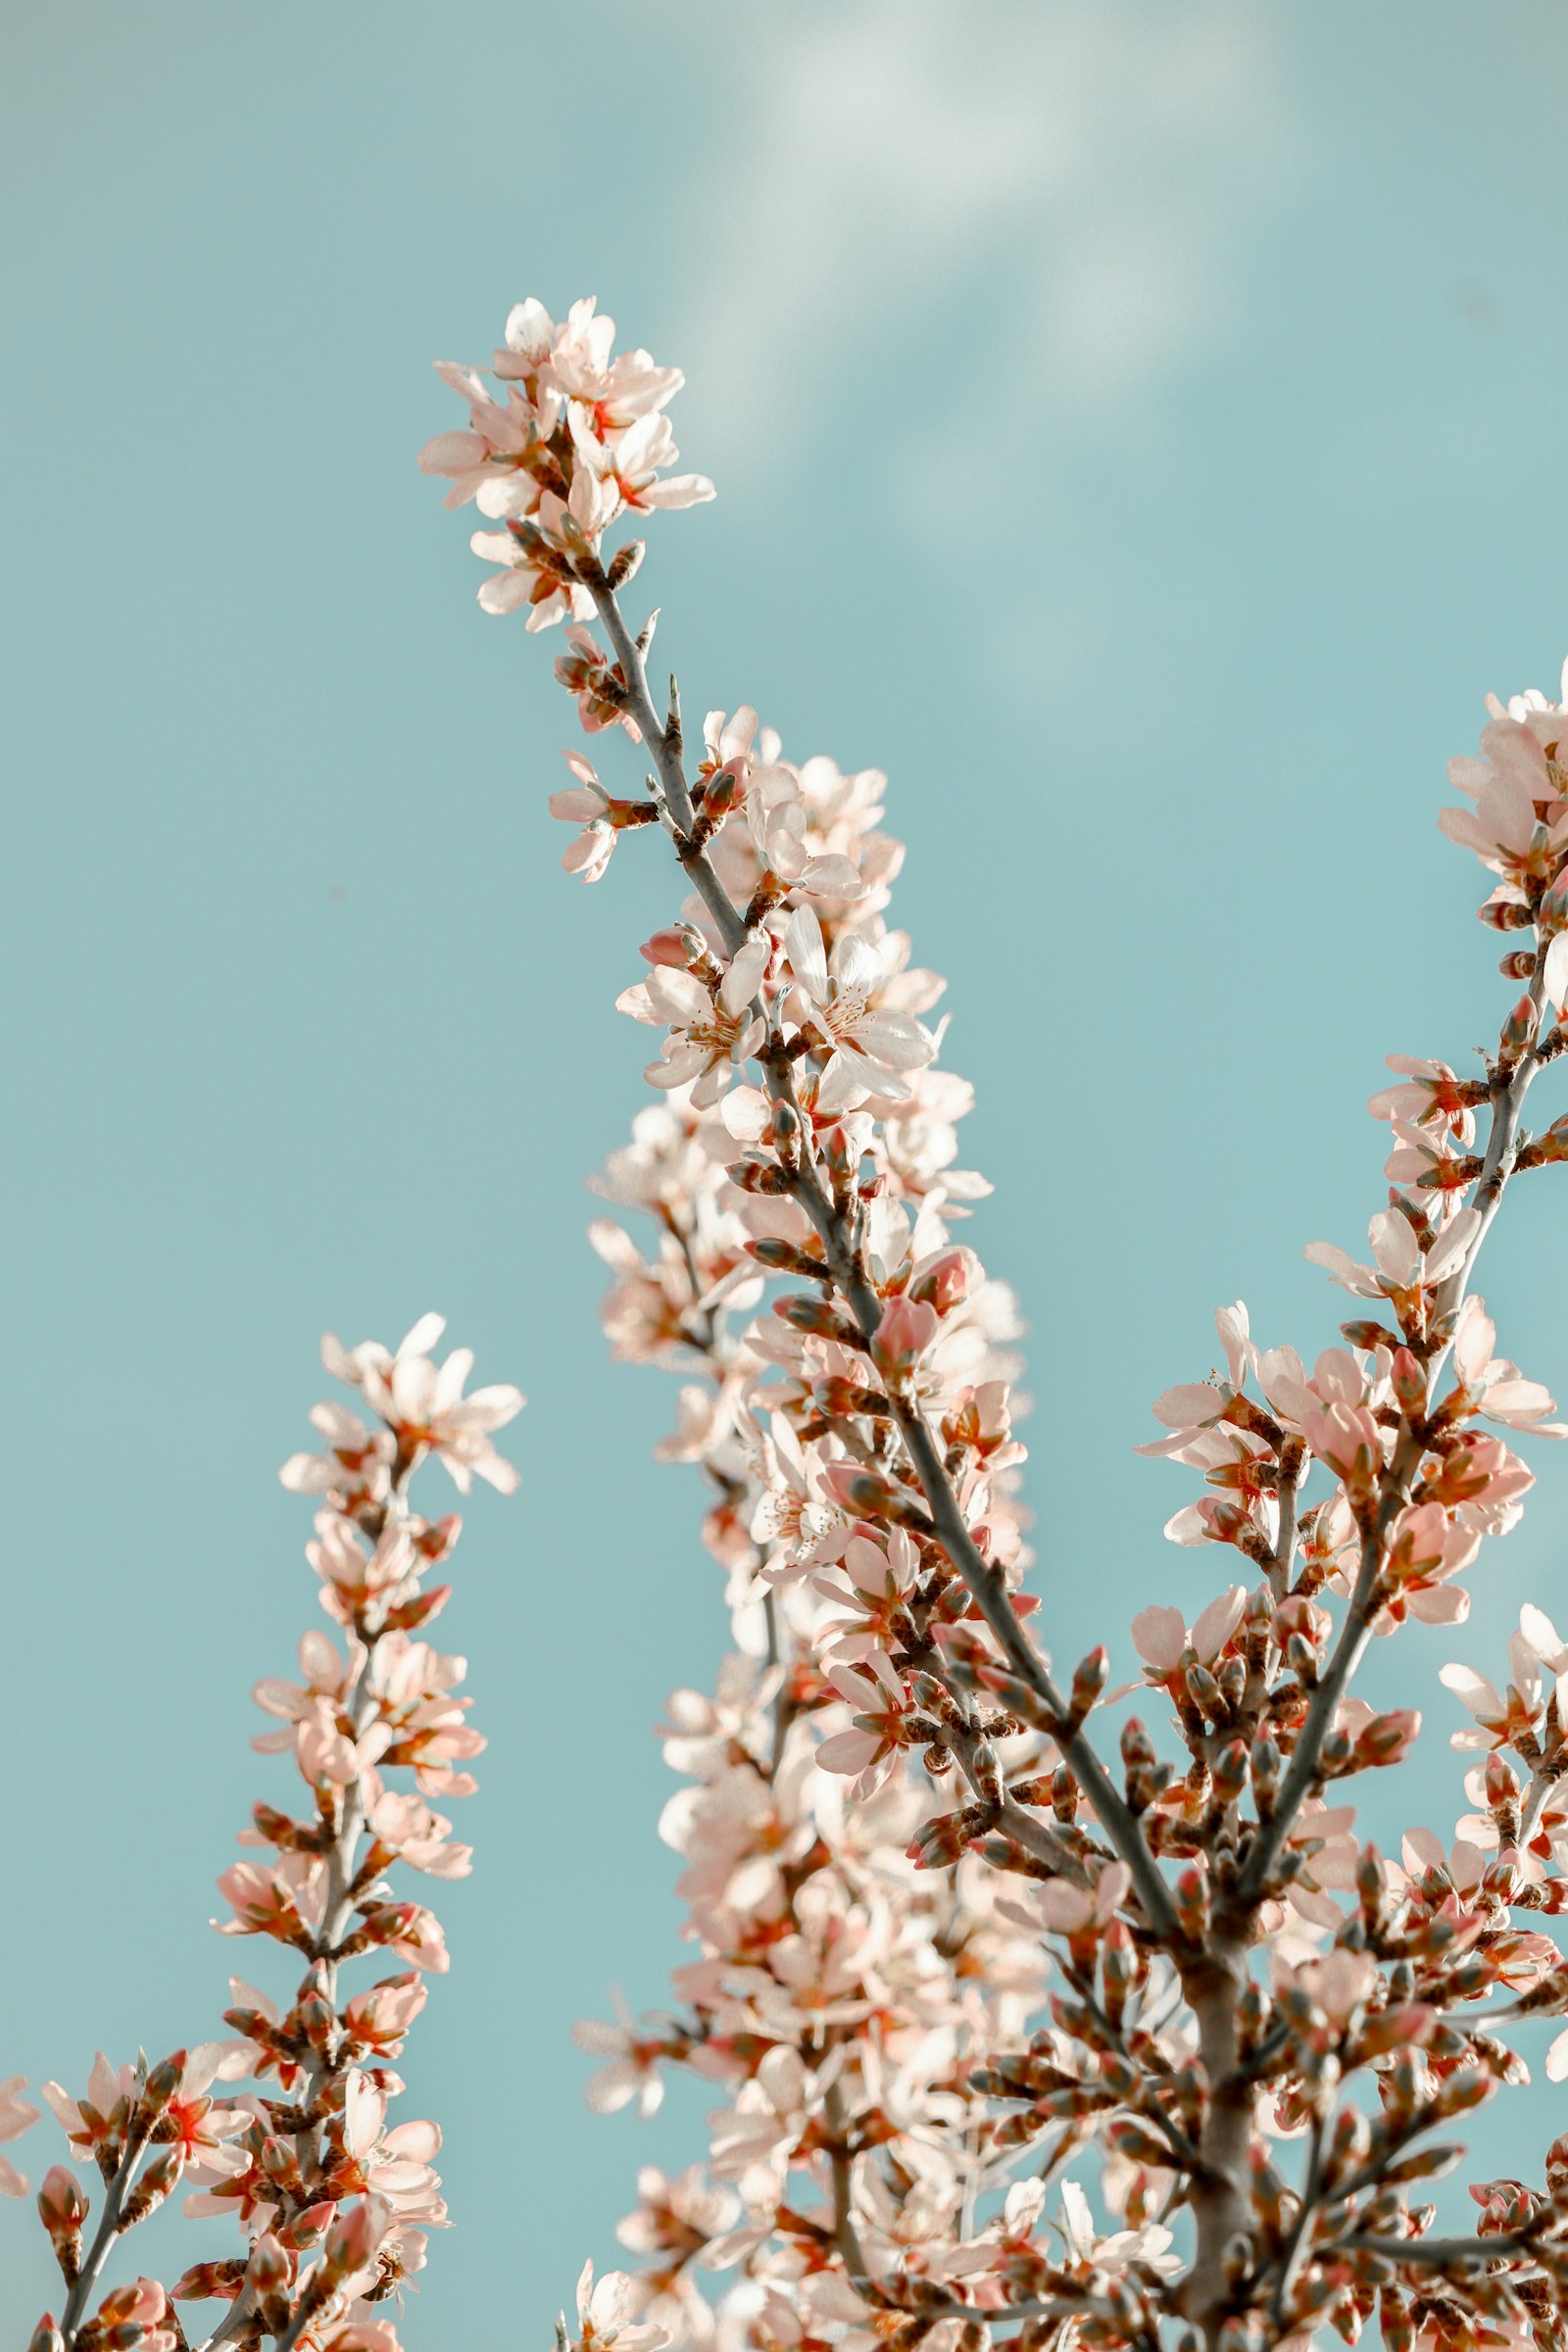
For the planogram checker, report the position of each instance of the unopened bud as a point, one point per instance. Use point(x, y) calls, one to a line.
point(626, 562)
point(161, 2085)
point(1387, 1738)
point(783, 1258)
point(63, 2209)
point(946, 1280)
point(1394, 2322)
point(351, 2240)
point(907, 1329)
point(308, 2228)
point(1137, 1747)
point(1230, 1773)
point(278, 1829)
point(724, 789)
point(408, 1615)
point(1361, 1333)
point(866, 1495)
point(1301, 1658)
point(1090, 1677)
point(1202, 1689)
point(1409, 1383)
point(269, 2267)
point(1517, 1030)
point(670, 948)
point(279, 2162)
point(834, 1146)
point(205, 2281)
point(840, 1399)
point(758, 1176)
point(154, 2186)
point(1192, 1907)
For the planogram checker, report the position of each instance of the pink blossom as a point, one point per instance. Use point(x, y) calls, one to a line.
point(16, 2115)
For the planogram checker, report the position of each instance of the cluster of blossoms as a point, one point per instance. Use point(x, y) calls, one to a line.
point(1022, 2016)
point(332, 2202)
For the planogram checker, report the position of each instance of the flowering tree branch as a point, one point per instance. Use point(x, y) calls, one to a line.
point(333, 2206)
point(1220, 1966)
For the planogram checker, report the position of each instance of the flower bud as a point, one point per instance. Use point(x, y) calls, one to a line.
point(308, 2228)
point(907, 1329)
point(839, 1399)
point(625, 562)
point(63, 2209)
point(1394, 2321)
point(270, 2266)
point(352, 2239)
point(1409, 1383)
point(670, 948)
point(408, 1615)
point(1089, 1680)
point(1517, 1030)
point(782, 1258)
point(62, 2205)
point(1137, 1747)
point(946, 1280)
point(1192, 1907)
point(1230, 1773)
point(1387, 1738)
point(1202, 1689)
point(204, 2282)
point(758, 1176)
point(1365, 1335)
point(1504, 914)
point(154, 2186)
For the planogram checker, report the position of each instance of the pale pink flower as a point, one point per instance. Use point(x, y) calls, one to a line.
point(711, 1033)
point(1430, 1094)
point(629, 469)
point(199, 2128)
point(1163, 1643)
point(534, 571)
point(869, 1748)
point(632, 2062)
point(1399, 1264)
point(355, 1464)
point(425, 1408)
point(841, 1003)
point(84, 2121)
point(488, 460)
point(1493, 1385)
point(1519, 825)
point(16, 2115)
point(606, 2316)
point(405, 1824)
point(616, 392)
point(326, 1678)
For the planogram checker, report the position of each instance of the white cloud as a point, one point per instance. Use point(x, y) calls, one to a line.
point(1012, 207)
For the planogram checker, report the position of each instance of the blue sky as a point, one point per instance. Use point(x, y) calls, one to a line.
point(1138, 428)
